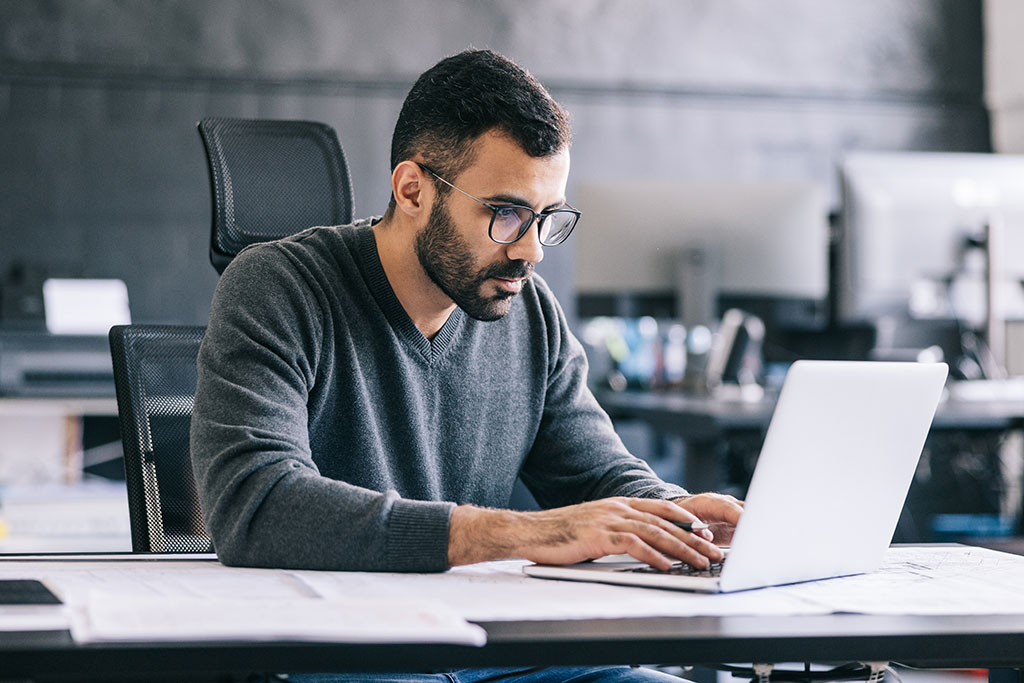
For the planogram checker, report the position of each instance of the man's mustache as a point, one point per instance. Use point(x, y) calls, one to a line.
point(513, 270)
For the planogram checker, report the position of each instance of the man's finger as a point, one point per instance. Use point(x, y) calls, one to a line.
point(635, 547)
point(692, 548)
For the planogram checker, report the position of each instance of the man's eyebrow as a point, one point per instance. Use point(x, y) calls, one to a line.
point(519, 201)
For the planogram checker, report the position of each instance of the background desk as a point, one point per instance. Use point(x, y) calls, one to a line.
point(707, 425)
point(986, 642)
point(41, 438)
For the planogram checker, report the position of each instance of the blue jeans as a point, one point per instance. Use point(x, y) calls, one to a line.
point(551, 674)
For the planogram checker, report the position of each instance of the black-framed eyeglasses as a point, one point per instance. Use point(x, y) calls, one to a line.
point(509, 222)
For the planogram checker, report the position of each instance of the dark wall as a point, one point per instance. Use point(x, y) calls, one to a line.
point(102, 172)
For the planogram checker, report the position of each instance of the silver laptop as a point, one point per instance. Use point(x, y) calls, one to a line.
point(829, 484)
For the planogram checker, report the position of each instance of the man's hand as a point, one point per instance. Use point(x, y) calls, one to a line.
point(640, 527)
point(720, 511)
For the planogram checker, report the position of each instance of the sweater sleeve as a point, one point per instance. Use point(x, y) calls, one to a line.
point(264, 500)
point(577, 455)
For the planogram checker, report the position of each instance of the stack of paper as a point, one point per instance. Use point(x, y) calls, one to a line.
point(112, 617)
point(181, 599)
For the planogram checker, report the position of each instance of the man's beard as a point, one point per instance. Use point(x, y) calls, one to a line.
point(447, 260)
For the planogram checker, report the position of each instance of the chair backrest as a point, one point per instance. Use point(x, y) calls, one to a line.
point(155, 378)
point(271, 179)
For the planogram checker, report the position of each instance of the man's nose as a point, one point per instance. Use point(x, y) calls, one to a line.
point(527, 247)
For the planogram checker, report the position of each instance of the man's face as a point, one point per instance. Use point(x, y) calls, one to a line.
point(449, 262)
point(454, 249)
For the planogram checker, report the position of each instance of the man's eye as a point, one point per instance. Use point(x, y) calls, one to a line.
point(507, 213)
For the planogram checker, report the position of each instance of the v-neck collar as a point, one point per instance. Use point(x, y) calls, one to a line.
point(373, 271)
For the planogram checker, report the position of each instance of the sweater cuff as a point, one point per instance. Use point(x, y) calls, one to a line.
point(417, 537)
point(667, 492)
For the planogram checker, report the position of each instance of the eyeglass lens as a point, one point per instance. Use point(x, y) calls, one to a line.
point(511, 222)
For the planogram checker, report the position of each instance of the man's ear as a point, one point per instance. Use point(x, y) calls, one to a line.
point(413, 194)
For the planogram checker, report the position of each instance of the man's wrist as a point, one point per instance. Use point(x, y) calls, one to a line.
point(477, 534)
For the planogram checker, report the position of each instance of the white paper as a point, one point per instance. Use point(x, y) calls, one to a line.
point(111, 617)
point(923, 580)
point(928, 581)
point(34, 618)
point(83, 306)
point(499, 591)
point(132, 599)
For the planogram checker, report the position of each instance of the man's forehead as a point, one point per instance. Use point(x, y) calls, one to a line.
point(499, 164)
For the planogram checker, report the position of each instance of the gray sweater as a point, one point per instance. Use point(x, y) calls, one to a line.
point(329, 433)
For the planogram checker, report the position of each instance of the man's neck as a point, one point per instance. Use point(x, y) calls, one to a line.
point(425, 304)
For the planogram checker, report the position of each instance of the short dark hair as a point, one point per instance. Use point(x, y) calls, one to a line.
point(466, 95)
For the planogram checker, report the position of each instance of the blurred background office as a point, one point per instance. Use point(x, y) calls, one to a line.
point(729, 155)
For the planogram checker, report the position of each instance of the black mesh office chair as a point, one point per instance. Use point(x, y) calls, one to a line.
point(271, 179)
point(155, 377)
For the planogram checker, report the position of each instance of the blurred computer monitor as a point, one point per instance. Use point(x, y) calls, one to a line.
point(912, 232)
point(761, 242)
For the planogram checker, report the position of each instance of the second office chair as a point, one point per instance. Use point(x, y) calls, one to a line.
point(270, 179)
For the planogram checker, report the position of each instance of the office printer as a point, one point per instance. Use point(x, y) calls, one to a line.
point(39, 364)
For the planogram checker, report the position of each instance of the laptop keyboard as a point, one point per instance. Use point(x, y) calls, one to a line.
point(681, 569)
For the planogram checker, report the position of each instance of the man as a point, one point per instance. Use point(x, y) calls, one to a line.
point(368, 394)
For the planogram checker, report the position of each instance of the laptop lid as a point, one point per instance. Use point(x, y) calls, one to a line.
point(830, 482)
point(833, 474)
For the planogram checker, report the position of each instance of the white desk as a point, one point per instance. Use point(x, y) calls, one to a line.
point(959, 638)
point(89, 516)
point(63, 407)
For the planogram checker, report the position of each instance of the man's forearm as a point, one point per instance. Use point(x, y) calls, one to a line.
point(482, 534)
point(647, 529)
